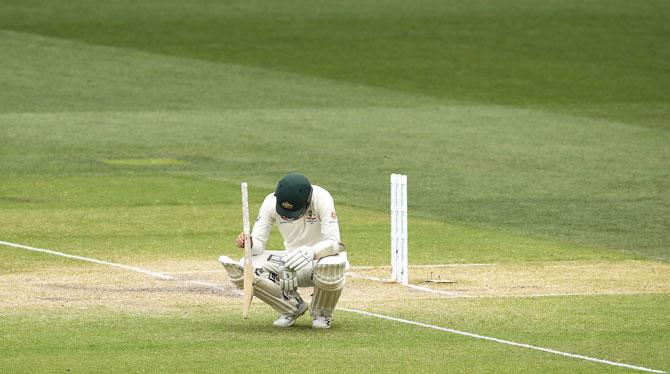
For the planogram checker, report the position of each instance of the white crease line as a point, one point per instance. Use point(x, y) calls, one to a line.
point(501, 341)
point(476, 336)
point(154, 274)
point(439, 292)
point(449, 265)
point(422, 266)
point(419, 288)
point(87, 259)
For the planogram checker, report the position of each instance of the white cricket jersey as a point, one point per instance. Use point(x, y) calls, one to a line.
point(319, 223)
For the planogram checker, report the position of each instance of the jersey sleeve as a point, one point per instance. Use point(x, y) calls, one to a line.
point(330, 228)
point(263, 225)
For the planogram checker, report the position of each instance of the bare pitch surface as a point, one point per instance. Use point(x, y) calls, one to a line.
point(83, 292)
point(89, 286)
point(567, 278)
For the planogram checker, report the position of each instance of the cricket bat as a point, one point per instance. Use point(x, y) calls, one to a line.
point(248, 266)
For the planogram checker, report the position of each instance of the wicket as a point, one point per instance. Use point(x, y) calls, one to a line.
point(399, 260)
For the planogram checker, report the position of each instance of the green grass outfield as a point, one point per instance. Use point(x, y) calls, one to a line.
point(202, 340)
point(530, 133)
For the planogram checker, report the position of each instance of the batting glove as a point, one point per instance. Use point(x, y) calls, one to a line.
point(299, 258)
point(273, 267)
point(287, 279)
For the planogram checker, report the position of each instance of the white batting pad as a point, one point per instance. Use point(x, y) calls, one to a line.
point(329, 280)
point(271, 294)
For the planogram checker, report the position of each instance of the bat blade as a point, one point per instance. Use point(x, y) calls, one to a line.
point(248, 286)
point(248, 266)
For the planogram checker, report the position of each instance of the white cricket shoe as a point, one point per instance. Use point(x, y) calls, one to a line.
point(321, 322)
point(287, 320)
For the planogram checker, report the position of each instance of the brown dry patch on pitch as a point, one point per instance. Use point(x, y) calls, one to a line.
point(538, 279)
point(88, 286)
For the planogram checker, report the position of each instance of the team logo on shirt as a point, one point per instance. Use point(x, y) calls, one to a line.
point(287, 205)
point(310, 217)
point(333, 215)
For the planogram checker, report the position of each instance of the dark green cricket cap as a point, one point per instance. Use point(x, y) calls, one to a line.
point(293, 194)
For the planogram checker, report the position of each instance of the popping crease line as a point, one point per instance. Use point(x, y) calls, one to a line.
point(422, 266)
point(87, 259)
point(420, 288)
point(163, 276)
point(153, 274)
point(502, 341)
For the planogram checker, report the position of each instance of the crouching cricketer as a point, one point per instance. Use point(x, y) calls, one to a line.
point(313, 256)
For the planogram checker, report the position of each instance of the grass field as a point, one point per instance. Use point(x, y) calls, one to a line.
point(535, 137)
